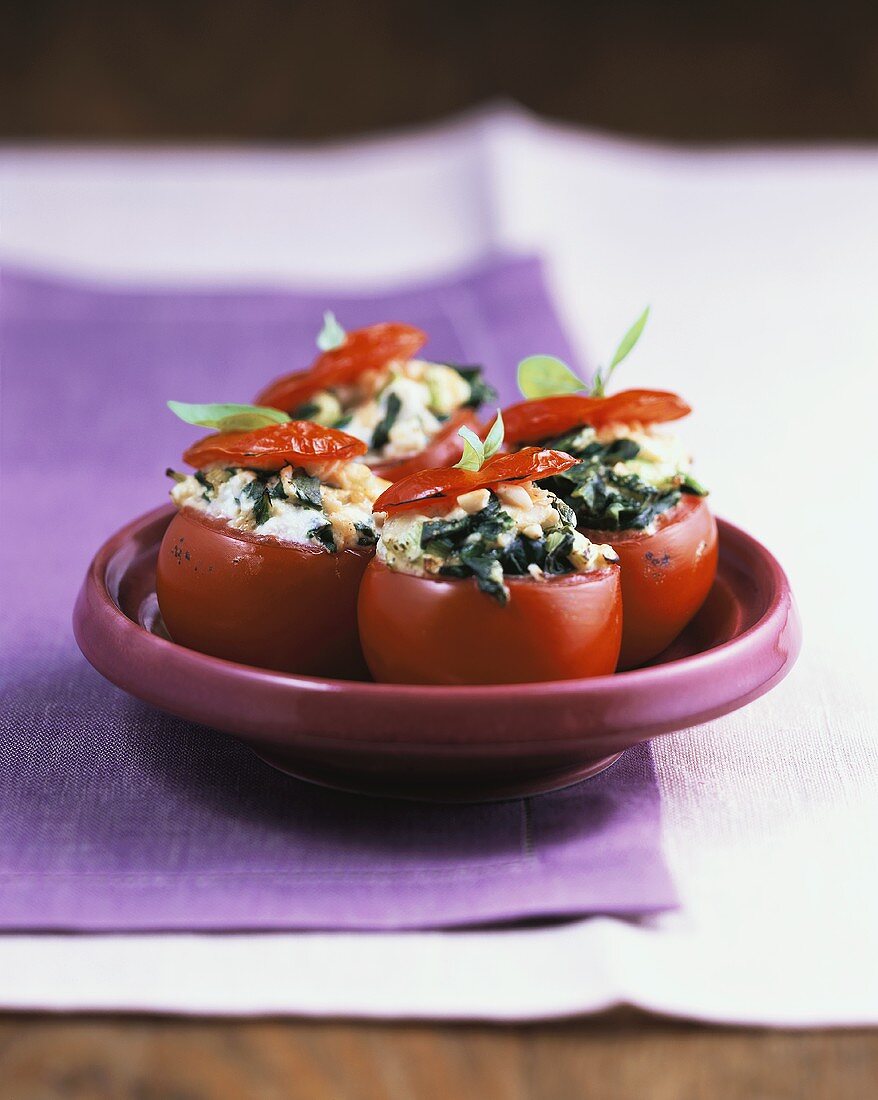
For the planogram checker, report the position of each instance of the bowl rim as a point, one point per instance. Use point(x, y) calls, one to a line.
point(95, 596)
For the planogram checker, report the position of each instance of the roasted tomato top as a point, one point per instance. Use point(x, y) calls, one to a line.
point(447, 484)
point(363, 349)
point(548, 417)
point(295, 443)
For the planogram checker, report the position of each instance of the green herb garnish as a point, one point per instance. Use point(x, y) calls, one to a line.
point(599, 385)
point(332, 335)
point(476, 452)
point(228, 418)
point(547, 376)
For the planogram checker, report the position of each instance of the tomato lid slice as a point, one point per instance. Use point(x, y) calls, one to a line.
point(274, 447)
point(547, 417)
point(448, 483)
point(363, 349)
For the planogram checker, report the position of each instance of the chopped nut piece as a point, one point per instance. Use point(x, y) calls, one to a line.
point(475, 501)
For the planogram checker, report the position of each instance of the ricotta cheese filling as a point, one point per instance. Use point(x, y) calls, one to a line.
point(327, 505)
point(661, 460)
point(396, 411)
point(516, 529)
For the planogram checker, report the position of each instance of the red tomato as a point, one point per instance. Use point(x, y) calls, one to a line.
point(666, 576)
point(421, 630)
point(444, 449)
point(252, 599)
point(445, 485)
point(272, 448)
point(545, 418)
point(363, 349)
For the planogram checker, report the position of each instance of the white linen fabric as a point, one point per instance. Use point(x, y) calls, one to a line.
point(761, 267)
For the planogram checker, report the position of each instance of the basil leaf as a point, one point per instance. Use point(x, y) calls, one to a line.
point(228, 418)
point(306, 411)
point(494, 438)
point(332, 335)
point(546, 376)
point(602, 378)
point(629, 340)
point(473, 456)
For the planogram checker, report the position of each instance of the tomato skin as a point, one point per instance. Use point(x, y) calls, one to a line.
point(421, 630)
point(364, 349)
point(274, 447)
point(544, 418)
point(444, 449)
point(666, 576)
point(258, 601)
point(442, 486)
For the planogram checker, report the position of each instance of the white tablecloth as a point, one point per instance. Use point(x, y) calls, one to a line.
point(761, 268)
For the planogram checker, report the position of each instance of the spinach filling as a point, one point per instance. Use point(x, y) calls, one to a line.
point(381, 435)
point(480, 391)
point(311, 410)
point(260, 494)
point(306, 494)
point(604, 499)
point(472, 546)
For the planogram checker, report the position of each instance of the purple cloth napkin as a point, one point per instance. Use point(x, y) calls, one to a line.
point(115, 816)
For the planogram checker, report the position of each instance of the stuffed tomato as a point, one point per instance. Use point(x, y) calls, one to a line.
point(263, 561)
point(480, 577)
point(371, 384)
point(631, 486)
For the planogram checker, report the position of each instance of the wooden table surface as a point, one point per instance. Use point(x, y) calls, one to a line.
point(217, 69)
point(623, 1057)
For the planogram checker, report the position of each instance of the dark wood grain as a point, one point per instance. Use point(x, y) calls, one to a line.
point(279, 69)
point(617, 1059)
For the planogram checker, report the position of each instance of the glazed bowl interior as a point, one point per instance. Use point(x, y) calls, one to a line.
point(467, 743)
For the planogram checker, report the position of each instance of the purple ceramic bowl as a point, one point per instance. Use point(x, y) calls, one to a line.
point(448, 743)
